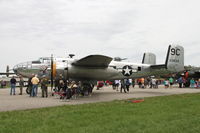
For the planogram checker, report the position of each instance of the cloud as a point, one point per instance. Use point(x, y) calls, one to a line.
point(30, 29)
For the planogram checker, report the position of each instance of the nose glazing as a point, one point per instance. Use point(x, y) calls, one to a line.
point(15, 68)
point(21, 67)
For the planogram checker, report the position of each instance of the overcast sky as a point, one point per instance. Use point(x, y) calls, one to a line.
point(30, 29)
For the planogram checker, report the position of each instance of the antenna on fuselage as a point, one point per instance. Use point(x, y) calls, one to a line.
point(71, 55)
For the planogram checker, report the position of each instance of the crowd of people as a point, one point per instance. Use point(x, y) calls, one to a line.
point(192, 82)
point(33, 84)
point(68, 89)
point(62, 87)
point(125, 84)
point(154, 83)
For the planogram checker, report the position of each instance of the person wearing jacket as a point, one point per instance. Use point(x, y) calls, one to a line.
point(13, 85)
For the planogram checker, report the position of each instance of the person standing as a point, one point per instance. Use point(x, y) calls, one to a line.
point(171, 82)
point(150, 83)
point(146, 83)
point(142, 82)
point(133, 83)
point(117, 82)
point(123, 86)
point(74, 87)
point(2, 83)
point(127, 83)
point(13, 85)
point(192, 83)
point(44, 86)
point(180, 82)
point(35, 81)
point(21, 85)
point(166, 84)
point(60, 83)
point(154, 83)
point(198, 83)
point(56, 83)
point(30, 85)
point(139, 81)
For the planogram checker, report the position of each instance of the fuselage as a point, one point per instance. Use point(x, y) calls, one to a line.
point(64, 66)
point(101, 67)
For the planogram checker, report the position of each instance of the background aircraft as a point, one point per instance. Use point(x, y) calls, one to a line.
point(100, 67)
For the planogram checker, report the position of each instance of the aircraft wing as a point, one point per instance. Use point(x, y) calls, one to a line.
point(93, 61)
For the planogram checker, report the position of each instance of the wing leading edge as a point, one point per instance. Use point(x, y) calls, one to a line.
point(93, 61)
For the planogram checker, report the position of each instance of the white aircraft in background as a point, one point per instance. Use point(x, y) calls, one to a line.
point(100, 67)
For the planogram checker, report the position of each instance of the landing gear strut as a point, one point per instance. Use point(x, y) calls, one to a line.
point(28, 89)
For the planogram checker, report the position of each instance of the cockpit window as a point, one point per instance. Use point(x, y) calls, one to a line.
point(46, 60)
point(36, 62)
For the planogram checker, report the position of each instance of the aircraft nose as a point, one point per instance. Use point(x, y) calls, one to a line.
point(20, 68)
point(15, 68)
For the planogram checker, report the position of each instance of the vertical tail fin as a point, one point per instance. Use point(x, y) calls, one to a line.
point(175, 58)
point(149, 58)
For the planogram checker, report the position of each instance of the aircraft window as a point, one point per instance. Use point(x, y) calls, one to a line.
point(24, 67)
point(29, 66)
point(41, 60)
point(36, 62)
point(46, 61)
point(114, 67)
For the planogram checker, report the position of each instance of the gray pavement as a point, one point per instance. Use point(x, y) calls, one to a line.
point(23, 102)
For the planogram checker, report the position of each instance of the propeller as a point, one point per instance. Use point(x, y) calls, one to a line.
point(7, 73)
point(53, 71)
point(7, 70)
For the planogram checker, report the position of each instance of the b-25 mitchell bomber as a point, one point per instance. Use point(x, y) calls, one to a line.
point(100, 67)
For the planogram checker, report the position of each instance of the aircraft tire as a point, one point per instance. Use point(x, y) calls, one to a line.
point(28, 90)
point(87, 88)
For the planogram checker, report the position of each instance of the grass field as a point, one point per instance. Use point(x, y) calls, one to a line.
point(167, 114)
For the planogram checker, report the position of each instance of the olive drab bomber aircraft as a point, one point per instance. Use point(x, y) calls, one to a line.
point(100, 67)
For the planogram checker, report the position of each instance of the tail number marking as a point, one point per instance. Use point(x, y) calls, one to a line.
point(174, 60)
point(175, 51)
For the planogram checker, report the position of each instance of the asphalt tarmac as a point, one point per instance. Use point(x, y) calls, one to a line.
point(24, 102)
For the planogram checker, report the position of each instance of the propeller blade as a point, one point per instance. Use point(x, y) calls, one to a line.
point(7, 71)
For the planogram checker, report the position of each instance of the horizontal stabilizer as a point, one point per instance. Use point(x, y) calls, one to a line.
point(7, 74)
point(158, 66)
point(93, 61)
